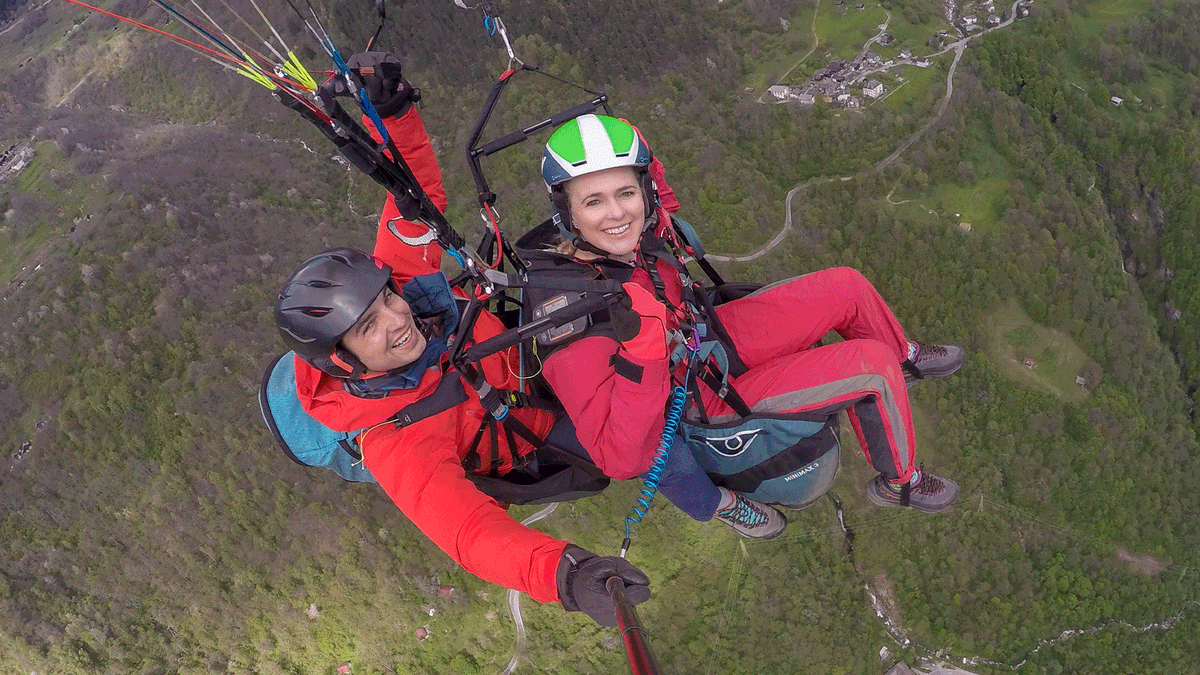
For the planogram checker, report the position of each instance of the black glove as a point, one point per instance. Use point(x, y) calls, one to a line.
point(626, 323)
point(639, 322)
point(582, 576)
point(380, 73)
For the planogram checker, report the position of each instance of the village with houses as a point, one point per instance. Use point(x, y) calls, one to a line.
point(870, 77)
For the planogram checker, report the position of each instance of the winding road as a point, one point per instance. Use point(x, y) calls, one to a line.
point(514, 600)
point(958, 48)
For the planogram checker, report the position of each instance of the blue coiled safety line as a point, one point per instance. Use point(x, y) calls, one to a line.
point(654, 475)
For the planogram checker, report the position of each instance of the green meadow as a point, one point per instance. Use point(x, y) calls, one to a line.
point(843, 36)
point(1014, 337)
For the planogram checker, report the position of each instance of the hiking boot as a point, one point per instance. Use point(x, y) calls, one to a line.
point(752, 519)
point(925, 492)
point(931, 361)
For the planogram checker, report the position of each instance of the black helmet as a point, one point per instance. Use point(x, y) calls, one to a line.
point(323, 300)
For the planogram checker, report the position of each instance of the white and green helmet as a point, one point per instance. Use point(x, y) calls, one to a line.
point(591, 143)
point(587, 144)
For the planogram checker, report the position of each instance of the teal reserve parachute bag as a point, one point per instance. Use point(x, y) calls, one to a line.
point(789, 459)
point(303, 439)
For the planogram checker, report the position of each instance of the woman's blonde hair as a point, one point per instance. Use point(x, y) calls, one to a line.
point(564, 246)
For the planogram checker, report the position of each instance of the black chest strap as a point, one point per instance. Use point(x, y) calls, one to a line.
point(449, 393)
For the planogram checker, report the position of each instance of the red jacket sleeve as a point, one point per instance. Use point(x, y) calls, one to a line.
point(419, 470)
point(409, 247)
point(619, 421)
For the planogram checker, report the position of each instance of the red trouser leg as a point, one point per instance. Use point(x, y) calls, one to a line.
point(791, 315)
point(859, 376)
point(773, 330)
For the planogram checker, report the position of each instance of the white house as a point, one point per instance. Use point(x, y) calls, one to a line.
point(1117, 100)
point(873, 89)
point(779, 91)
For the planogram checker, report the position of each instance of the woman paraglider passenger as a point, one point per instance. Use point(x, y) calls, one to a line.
point(615, 377)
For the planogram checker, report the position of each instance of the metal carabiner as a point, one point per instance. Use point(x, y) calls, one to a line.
point(498, 27)
point(696, 340)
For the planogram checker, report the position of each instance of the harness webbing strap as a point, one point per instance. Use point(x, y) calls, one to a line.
point(472, 461)
point(350, 449)
point(495, 461)
point(736, 365)
point(724, 391)
point(449, 393)
point(513, 425)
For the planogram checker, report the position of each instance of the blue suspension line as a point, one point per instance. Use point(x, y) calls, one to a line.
point(233, 52)
point(360, 95)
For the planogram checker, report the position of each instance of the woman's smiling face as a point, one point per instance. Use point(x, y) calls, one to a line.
point(608, 210)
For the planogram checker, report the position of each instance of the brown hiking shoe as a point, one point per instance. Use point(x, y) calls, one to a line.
point(931, 361)
point(752, 519)
point(926, 492)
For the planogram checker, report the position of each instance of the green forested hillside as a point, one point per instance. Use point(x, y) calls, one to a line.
point(149, 525)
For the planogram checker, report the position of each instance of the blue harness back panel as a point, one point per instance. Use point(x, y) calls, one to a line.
point(302, 438)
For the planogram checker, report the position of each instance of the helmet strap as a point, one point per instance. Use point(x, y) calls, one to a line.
point(349, 363)
point(649, 192)
point(425, 328)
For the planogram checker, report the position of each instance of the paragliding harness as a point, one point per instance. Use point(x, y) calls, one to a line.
point(773, 456)
point(302, 437)
point(547, 473)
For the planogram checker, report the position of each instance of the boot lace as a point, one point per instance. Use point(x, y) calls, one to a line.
point(929, 484)
point(925, 351)
point(743, 512)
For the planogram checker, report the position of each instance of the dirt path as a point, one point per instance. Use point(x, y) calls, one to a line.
point(77, 85)
point(14, 25)
point(787, 223)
